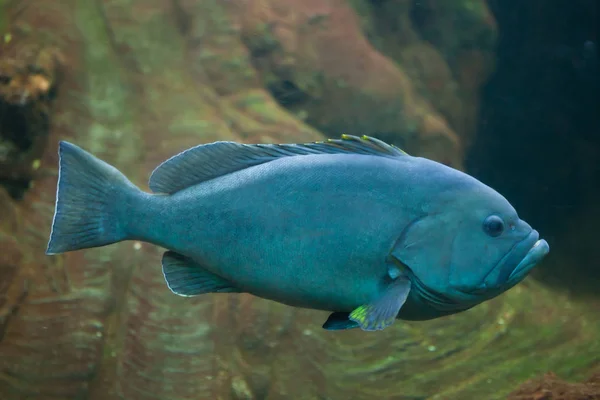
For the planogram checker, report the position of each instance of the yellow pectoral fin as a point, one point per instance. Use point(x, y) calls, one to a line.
point(382, 312)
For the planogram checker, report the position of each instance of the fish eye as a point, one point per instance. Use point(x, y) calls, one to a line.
point(493, 225)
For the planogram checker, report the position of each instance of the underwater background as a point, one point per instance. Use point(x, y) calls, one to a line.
point(505, 90)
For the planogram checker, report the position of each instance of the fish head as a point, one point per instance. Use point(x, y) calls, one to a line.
point(468, 246)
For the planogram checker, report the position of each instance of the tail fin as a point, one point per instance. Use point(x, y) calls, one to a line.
point(89, 195)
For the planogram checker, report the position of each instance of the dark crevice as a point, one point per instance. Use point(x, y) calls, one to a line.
point(28, 77)
point(265, 51)
point(287, 93)
point(183, 20)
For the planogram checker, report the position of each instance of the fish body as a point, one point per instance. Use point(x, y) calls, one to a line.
point(352, 226)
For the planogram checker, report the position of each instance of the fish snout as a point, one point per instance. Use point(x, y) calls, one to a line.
point(517, 263)
point(533, 257)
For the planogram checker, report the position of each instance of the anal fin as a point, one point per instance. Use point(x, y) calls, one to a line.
point(187, 278)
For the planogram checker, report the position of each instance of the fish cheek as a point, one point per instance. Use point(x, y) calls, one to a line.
point(425, 246)
point(474, 256)
point(468, 250)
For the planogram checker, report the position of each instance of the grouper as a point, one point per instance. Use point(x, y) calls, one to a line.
point(353, 226)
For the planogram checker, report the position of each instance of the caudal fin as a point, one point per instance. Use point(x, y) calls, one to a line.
point(89, 200)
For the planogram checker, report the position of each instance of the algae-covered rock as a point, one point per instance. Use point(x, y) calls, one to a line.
point(319, 63)
point(144, 79)
point(446, 48)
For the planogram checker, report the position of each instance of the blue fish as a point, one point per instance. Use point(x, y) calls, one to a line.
point(353, 226)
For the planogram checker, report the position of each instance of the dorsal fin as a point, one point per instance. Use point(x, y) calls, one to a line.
point(208, 161)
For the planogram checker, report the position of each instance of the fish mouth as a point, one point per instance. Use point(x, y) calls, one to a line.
point(517, 263)
point(532, 258)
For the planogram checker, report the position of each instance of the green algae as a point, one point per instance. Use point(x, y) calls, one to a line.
point(108, 97)
point(3, 20)
point(364, 11)
point(262, 39)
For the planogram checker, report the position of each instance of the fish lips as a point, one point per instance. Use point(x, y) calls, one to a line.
point(532, 258)
point(517, 263)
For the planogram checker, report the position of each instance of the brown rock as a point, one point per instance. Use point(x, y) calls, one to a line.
point(29, 74)
point(551, 387)
point(315, 57)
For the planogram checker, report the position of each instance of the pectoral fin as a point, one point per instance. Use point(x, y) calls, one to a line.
point(187, 278)
point(339, 321)
point(381, 313)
